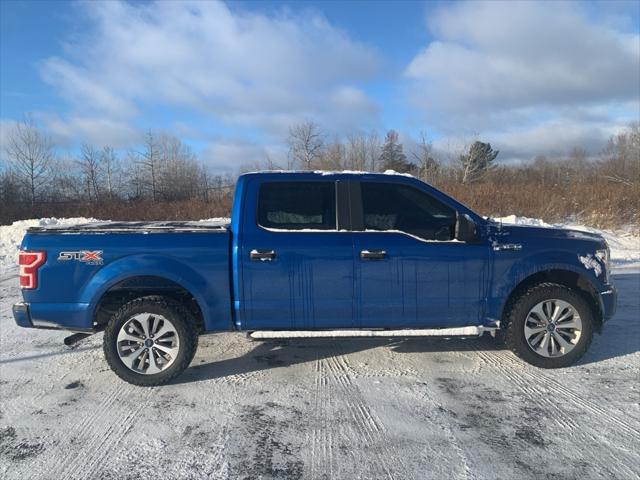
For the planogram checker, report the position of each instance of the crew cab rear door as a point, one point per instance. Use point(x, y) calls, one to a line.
point(297, 268)
point(410, 271)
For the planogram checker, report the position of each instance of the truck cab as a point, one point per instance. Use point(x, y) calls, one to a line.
point(323, 251)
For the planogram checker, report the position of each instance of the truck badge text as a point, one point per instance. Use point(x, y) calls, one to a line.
point(84, 256)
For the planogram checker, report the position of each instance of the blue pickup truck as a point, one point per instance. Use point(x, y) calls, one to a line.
point(318, 254)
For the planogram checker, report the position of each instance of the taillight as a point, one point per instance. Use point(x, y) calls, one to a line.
point(29, 263)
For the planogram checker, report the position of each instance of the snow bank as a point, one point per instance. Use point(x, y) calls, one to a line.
point(11, 237)
point(624, 243)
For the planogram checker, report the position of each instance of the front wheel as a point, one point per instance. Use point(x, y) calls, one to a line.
point(150, 341)
point(549, 326)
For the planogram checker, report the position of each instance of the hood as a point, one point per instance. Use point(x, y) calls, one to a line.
point(526, 231)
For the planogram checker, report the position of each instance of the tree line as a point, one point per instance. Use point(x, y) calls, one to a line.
point(164, 171)
point(309, 149)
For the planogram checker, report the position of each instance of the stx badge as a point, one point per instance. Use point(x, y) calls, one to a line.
point(85, 256)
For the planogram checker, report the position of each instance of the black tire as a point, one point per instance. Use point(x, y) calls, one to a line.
point(185, 328)
point(517, 315)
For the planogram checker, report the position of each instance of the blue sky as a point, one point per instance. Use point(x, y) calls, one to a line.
point(230, 78)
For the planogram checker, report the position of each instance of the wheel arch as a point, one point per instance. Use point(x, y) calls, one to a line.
point(137, 286)
point(568, 278)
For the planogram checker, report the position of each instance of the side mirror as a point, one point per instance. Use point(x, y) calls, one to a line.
point(465, 228)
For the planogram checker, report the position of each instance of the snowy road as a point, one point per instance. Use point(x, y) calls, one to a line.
point(320, 409)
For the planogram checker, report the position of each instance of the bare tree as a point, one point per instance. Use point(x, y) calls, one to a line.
point(372, 151)
point(622, 164)
point(112, 172)
point(149, 159)
point(10, 191)
point(269, 163)
point(356, 155)
point(427, 164)
point(31, 156)
point(135, 176)
point(179, 170)
point(89, 163)
point(477, 162)
point(306, 144)
point(333, 157)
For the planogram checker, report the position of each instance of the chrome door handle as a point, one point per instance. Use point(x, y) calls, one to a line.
point(262, 255)
point(373, 254)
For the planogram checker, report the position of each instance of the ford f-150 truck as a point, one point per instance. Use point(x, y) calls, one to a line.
point(316, 253)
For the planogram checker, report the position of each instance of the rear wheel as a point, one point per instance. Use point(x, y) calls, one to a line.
point(549, 326)
point(150, 340)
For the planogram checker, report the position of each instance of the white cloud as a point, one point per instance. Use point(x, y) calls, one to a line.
point(99, 131)
point(526, 71)
point(240, 67)
point(555, 138)
point(226, 155)
point(6, 127)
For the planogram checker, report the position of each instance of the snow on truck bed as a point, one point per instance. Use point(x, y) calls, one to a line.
point(624, 243)
point(134, 227)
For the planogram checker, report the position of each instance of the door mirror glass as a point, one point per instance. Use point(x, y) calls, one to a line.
point(465, 228)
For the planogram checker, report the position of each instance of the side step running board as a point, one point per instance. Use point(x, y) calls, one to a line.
point(75, 338)
point(426, 332)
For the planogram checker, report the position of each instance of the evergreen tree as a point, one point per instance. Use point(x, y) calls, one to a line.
point(478, 161)
point(392, 156)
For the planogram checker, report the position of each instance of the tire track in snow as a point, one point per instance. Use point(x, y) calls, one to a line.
point(57, 458)
point(333, 383)
point(322, 432)
point(443, 423)
point(617, 461)
point(570, 396)
point(366, 425)
point(96, 431)
point(105, 431)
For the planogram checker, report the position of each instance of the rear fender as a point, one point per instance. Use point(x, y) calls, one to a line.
point(156, 266)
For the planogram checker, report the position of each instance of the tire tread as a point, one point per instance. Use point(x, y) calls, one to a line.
point(512, 331)
point(181, 314)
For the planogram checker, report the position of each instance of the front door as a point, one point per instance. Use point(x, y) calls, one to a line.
point(297, 268)
point(410, 271)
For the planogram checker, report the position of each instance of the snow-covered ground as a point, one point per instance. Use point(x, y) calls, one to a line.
point(309, 408)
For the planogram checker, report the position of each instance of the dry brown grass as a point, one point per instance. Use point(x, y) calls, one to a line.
point(122, 210)
point(599, 204)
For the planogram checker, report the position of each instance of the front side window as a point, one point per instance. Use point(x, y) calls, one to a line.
point(389, 206)
point(297, 205)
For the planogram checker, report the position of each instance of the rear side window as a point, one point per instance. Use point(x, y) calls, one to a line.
point(389, 206)
point(297, 205)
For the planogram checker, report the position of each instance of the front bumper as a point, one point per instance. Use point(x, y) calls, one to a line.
point(23, 318)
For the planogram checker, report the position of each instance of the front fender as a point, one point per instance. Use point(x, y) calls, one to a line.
point(157, 266)
point(507, 279)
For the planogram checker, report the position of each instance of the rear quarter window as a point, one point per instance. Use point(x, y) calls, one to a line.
point(297, 205)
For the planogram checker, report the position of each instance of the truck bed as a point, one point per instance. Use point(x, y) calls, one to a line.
point(191, 255)
point(135, 227)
